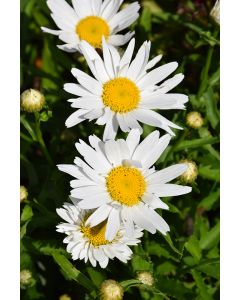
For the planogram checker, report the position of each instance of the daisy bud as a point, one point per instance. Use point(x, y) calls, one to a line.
point(65, 297)
point(194, 119)
point(32, 100)
point(191, 174)
point(215, 12)
point(23, 193)
point(111, 290)
point(25, 278)
point(145, 278)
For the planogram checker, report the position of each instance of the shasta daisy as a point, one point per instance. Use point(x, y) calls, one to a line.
point(90, 20)
point(117, 178)
point(89, 243)
point(124, 92)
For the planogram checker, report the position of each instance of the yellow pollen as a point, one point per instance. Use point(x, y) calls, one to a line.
point(121, 95)
point(95, 235)
point(126, 185)
point(91, 29)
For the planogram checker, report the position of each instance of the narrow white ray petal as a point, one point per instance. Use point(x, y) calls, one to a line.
point(69, 37)
point(63, 10)
point(113, 225)
point(169, 190)
point(148, 143)
point(101, 71)
point(153, 119)
point(167, 174)
point(94, 114)
point(120, 39)
point(132, 140)
point(76, 118)
point(137, 64)
point(157, 221)
point(71, 170)
point(153, 62)
point(92, 202)
point(104, 263)
point(127, 221)
point(92, 157)
point(107, 59)
point(55, 32)
point(123, 149)
point(171, 83)
point(132, 122)
point(64, 214)
point(122, 123)
point(77, 89)
point(62, 23)
point(113, 153)
point(157, 75)
point(140, 219)
point(68, 48)
point(89, 103)
point(82, 8)
point(111, 129)
point(153, 201)
point(156, 151)
point(87, 81)
point(99, 215)
point(127, 56)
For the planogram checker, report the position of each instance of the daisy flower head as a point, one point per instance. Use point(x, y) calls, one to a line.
point(90, 20)
point(89, 243)
point(124, 91)
point(118, 180)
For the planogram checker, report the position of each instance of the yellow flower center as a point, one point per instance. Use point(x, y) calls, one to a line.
point(121, 95)
point(96, 234)
point(91, 29)
point(126, 185)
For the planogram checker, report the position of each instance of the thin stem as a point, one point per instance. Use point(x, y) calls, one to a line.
point(41, 140)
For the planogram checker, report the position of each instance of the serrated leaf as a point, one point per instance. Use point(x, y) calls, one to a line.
point(211, 238)
point(71, 272)
point(193, 247)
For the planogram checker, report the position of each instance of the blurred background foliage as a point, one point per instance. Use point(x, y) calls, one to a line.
point(185, 264)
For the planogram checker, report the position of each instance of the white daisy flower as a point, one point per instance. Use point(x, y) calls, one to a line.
point(118, 180)
point(124, 92)
point(89, 243)
point(90, 20)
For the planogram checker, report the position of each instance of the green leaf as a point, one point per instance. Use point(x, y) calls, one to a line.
point(27, 213)
point(211, 107)
point(146, 20)
point(208, 202)
point(193, 247)
point(208, 173)
point(71, 273)
point(196, 143)
point(168, 239)
point(211, 238)
point(201, 285)
point(96, 276)
point(141, 264)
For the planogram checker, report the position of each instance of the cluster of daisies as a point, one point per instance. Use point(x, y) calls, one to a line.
point(116, 188)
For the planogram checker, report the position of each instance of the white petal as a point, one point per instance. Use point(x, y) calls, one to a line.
point(111, 129)
point(87, 81)
point(127, 56)
point(55, 32)
point(71, 170)
point(132, 140)
point(157, 75)
point(148, 143)
point(99, 215)
point(113, 153)
point(140, 220)
point(76, 89)
point(169, 190)
point(120, 39)
point(64, 214)
point(166, 174)
point(153, 62)
point(82, 7)
point(156, 151)
point(113, 225)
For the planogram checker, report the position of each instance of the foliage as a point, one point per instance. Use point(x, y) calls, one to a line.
point(185, 264)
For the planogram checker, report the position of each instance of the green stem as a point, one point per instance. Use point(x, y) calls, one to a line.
point(204, 75)
point(41, 140)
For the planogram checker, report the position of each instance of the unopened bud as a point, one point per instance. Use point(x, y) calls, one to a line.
point(25, 278)
point(194, 120)
point(215, 12)
point(111, 290)
point(190, 175)
point(65, 297)
point(32, 100)
point(145, 278)
point(23, 193)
